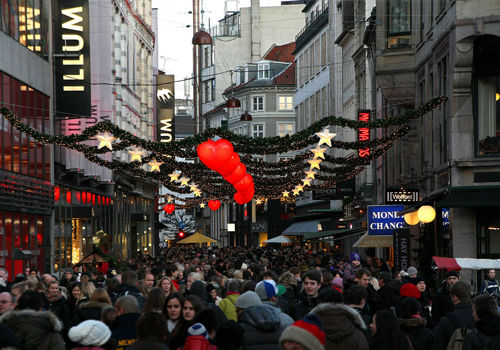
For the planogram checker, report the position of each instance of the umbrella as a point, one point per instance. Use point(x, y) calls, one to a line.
point(279, 239)
point(197, 238)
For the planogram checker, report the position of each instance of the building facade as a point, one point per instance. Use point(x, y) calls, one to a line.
point(26, 174)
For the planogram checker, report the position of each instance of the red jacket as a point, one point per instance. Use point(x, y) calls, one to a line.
point(197, 342)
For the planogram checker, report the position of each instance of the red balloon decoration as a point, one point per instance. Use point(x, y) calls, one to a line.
point(169, 208)
point(57, 193)
point(68, 197)
point(84, 197)
point(214, 204)
point(93, 199)
point(220, 157)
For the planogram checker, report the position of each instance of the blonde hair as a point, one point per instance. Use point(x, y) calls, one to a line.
point(196, 276)
point(172, 287)
point(86, 290)
point(101, 296)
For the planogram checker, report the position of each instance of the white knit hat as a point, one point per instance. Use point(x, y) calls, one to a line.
point(90, 332)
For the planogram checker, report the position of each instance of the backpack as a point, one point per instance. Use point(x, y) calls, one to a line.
point(457, 338)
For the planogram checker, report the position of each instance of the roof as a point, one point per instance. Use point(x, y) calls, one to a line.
point(287, 77)
point(281, 53)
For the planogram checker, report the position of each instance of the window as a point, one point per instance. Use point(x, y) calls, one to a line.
point(323, 50)
point(257, 103)
point(285, 129)
point(285, 103)
point(258, 130)
point(398, 31)
point(489, 115)
point(263, 71)
point(488, 234)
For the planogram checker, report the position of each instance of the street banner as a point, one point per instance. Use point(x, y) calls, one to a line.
point(402, 249)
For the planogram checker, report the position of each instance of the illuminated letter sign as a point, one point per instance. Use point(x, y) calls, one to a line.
point(364, 133)
point(165, 107)
point(72, 57)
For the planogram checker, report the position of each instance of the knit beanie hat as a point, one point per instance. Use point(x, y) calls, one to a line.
point(90, 333)
point(307, 332)
point(354, 256)
point(412, 270)
point(198, 329)
point(247, 299)
point(409, 290)
point(266, 289)
point(338, 282)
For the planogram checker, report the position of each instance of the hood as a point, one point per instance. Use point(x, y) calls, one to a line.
point(196, 342)
point(489, 325)
point(126, 319)
point(339, 321)
point(262, 317)
point(93, 304)
point(412, 322)
point(233, 297)
point(31, 327)
point(198, 288)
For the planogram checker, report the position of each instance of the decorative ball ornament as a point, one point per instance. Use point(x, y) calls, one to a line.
point(214, 204)
point(411, 218)
point(426, 214)
point(169, 208)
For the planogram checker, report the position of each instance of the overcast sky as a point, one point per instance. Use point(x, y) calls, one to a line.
point(175, 52)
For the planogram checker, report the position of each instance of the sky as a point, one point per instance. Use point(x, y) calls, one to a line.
point(175, 51)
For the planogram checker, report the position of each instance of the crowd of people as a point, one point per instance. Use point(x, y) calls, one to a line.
point(246, 299)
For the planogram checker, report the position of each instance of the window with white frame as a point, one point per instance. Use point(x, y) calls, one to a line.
point(258, 130)
point(285, 103)
point(257, 103)
point(285, 129)
point(263, 71)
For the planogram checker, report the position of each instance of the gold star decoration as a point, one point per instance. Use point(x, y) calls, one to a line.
point(202, 205)
point(318, 152)
point(197, 193)
point(325, 137)
point(285, 193)
point(300, 188)
point(135, 155)
point(314, 163)
point(174, 176)
point(259, 201)
point(193, 187)
point(307, 181)
point(184, 181)
point(295, 192)
point(310, 174)
point(155, 165)
point(105, 140)
point(169, 199)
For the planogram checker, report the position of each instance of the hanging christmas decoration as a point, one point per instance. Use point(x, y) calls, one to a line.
point(214, 204)
point(135, 155)
point(169, 208)
point(155, 165)
point(105, 140)
point(57, 193)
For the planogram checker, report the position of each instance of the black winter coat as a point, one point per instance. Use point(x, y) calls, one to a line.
point(124, 331)
point(262, 329)
point(123, 289)
point(461, 317)
point(441, 303)
point(389, 294)
point(487, 330)
point(61, 309)
point(415, 328)
point(305, 306)
point(88, 311)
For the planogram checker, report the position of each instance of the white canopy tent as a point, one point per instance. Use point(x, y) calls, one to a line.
point(279, 239)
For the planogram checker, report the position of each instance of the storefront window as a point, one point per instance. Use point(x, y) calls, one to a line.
point(399, 22)
point(488, 237)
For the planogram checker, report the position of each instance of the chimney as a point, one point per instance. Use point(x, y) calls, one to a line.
point(255, 33)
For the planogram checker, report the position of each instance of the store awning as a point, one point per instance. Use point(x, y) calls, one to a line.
point(197, 238)
point(456, 264)
point(373, 241)
point(471, 196)
point(299, 228)
point(329, 233)
point(279, 239)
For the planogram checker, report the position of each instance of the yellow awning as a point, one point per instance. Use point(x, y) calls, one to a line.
point(197, 238)
point(373, 241)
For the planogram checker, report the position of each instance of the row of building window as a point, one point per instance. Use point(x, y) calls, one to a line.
point(26, 22)
point(18, 152)
point(312, 60)
point(259, 129)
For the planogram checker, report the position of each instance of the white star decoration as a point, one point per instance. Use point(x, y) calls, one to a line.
point(318, 152)
point(174, 176)
point(325, 137)
point(105, 140)
point(155, 165)
point(135, 155)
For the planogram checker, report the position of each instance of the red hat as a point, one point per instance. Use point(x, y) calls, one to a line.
point(409, 290)
point(307, 332)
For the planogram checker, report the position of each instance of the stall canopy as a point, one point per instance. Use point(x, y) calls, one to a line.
point(279, 239)
point(92, 258)
point(373, 241)
point(330, 233)
point(299, 228)
point(197, 238)
point(456, 264)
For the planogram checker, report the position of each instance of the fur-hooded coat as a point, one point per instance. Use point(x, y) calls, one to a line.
point(344, 328)
point(35, 329)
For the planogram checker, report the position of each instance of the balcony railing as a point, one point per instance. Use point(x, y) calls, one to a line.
point(319, 20)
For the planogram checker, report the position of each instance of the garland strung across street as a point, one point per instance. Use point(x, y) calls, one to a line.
point(310, 167)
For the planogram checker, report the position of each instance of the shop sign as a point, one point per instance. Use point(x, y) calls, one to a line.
point(384, 219)
point(72, 59)
point(165, 107)
point(337, 191)
point(402, 249)
point(446, 216)
point(259, 227)
point(395, 196)
point(364, 115)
